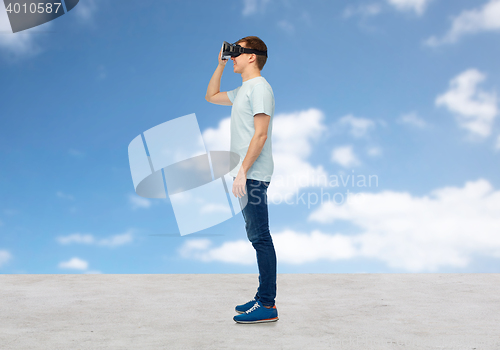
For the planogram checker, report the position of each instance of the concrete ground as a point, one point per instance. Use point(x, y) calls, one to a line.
point(195, 311)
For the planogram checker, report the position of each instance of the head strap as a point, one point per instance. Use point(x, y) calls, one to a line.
point(241, 49)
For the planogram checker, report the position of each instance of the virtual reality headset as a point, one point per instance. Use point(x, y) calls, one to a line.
point(233, 50)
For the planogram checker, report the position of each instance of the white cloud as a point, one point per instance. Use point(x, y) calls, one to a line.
point(293, 132)
point(417, 6)
point(20, 43)
point(75, 152)
point(112, 241)
point(102, 72)
point(359, 127)
point(5, 256)
point(345, 156)
point(291, 248)
point(286, 26)
point(239, 252)
point(418, 234)
point(253, 6)
point(218, 139)
point(85, 10)
point(292, 138)
point(484, 19)
point(475, 109)
point(74, 263)
point(306, 18)
point(364, 10)
point(211, 207)
point(116, 240)
point(10, 212)
point(442, 229)
point(497, 146)
point(64, 195)
point(412, 119)
point(76, 238)
point(374, 151)
point(137, 201)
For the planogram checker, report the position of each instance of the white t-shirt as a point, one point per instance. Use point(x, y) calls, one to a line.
point(252, 97)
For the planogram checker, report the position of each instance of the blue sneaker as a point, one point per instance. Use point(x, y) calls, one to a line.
point(244, 307)
point(257, 314)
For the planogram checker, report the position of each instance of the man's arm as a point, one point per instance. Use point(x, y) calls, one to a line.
point(261, 123)
point(213, 94)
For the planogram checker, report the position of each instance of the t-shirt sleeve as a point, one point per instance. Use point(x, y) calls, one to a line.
point(232, 94)
point(261, 100)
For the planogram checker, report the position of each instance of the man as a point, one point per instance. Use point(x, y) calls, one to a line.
point(251, 129)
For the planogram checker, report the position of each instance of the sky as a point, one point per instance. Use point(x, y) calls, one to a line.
point(386, 115)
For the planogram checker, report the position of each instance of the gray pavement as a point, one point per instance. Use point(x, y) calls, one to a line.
point(195, 311)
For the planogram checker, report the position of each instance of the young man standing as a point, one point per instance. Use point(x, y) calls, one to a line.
point(251, 129)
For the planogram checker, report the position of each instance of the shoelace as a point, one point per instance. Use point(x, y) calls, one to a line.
point(255, 306)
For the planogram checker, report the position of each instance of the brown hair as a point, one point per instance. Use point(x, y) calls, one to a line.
point(253, 42)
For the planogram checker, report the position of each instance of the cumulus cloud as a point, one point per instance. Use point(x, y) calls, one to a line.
point(475, 109)
point(287, 26)
point(358, 127)
point(374, 151)
point(64, 195)
point(237, 252)
point(112, 241)
point(444, 228)
point(76, 238)
point(251, 7)
point(85, 10)
point(292, 139)
point(5, 256)
point(218, 139)
point(417, 6)
point(415, 233)
point(364, 10)
point(483, 19)
point(344, 155)
point(412, 119)
point(291, 247)
point(137, 201)
point(74, 263)
point(75, 153)
point(21, 43)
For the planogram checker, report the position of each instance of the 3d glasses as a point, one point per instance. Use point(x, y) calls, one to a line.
point(233, 50)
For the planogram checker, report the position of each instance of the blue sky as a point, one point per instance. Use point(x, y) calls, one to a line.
point(403, 90)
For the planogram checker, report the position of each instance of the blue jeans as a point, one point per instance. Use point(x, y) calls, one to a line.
point(256, 218)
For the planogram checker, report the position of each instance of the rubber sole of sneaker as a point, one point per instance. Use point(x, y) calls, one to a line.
point(261, 321)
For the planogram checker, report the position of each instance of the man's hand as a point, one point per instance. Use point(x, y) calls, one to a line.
point(221, 61)
point(239, 184)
